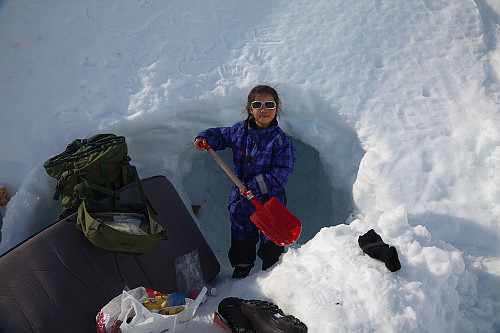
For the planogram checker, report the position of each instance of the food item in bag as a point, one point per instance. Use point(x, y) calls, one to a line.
point(166, 304)
point(172, 310)
point(4, 198)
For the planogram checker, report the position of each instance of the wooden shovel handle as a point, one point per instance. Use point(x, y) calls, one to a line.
point(224, 167)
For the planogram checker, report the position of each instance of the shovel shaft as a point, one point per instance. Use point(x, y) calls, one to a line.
point(224, 167)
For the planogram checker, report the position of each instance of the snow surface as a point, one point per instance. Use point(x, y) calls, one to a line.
point(393, 106)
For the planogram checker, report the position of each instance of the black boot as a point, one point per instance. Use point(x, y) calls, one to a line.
point(230, 310)
point(241, 272)
point(266, 317)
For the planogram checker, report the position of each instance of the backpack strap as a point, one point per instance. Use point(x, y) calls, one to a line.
point(105, 175)
point(132, 171)
point(61, 183)
point(84, 185)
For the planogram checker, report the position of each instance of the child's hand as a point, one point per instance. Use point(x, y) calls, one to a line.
point(245, 192)
point(200, 143)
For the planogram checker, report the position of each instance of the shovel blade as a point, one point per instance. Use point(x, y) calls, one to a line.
point(276, 222)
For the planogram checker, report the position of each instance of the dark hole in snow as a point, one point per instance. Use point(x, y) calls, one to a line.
point(312, 195)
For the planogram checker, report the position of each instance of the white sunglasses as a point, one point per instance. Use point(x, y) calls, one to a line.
point(268, 105)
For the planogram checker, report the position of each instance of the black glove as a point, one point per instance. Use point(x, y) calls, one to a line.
point(372, 244)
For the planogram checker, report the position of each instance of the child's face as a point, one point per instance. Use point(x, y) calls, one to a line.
point(263, 117)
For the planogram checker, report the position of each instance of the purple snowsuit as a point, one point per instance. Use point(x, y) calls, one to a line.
point(263, 160)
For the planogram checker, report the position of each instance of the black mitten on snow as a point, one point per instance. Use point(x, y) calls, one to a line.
point(372, 244)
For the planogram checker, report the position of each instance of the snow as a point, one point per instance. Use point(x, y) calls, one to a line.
point(393, 107)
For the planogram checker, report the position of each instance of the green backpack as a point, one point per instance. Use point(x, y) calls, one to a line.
point(90, 174)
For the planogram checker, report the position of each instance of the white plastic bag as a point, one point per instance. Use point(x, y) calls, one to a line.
point(191, 307)
point(137, 319)
point(109, 313)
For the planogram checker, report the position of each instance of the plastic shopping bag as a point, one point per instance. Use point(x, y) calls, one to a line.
point(128, 312)
point(106, 318)
point(135, 317)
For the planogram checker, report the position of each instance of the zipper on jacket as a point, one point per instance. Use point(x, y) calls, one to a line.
point(249, 157)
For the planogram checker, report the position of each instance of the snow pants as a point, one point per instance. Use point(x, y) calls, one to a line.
point(245, 236)
point(242, 253)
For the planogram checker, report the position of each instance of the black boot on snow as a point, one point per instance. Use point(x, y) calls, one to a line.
point(241, 272)
point(230, 309)
point(266, 317)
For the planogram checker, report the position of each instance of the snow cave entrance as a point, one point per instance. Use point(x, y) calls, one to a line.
point(314, 195)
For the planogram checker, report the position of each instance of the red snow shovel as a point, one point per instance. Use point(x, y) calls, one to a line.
point(272, 218)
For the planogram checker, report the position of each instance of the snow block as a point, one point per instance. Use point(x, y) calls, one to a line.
point(57, 281)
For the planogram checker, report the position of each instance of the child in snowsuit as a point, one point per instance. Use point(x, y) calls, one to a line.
point(263, 159)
